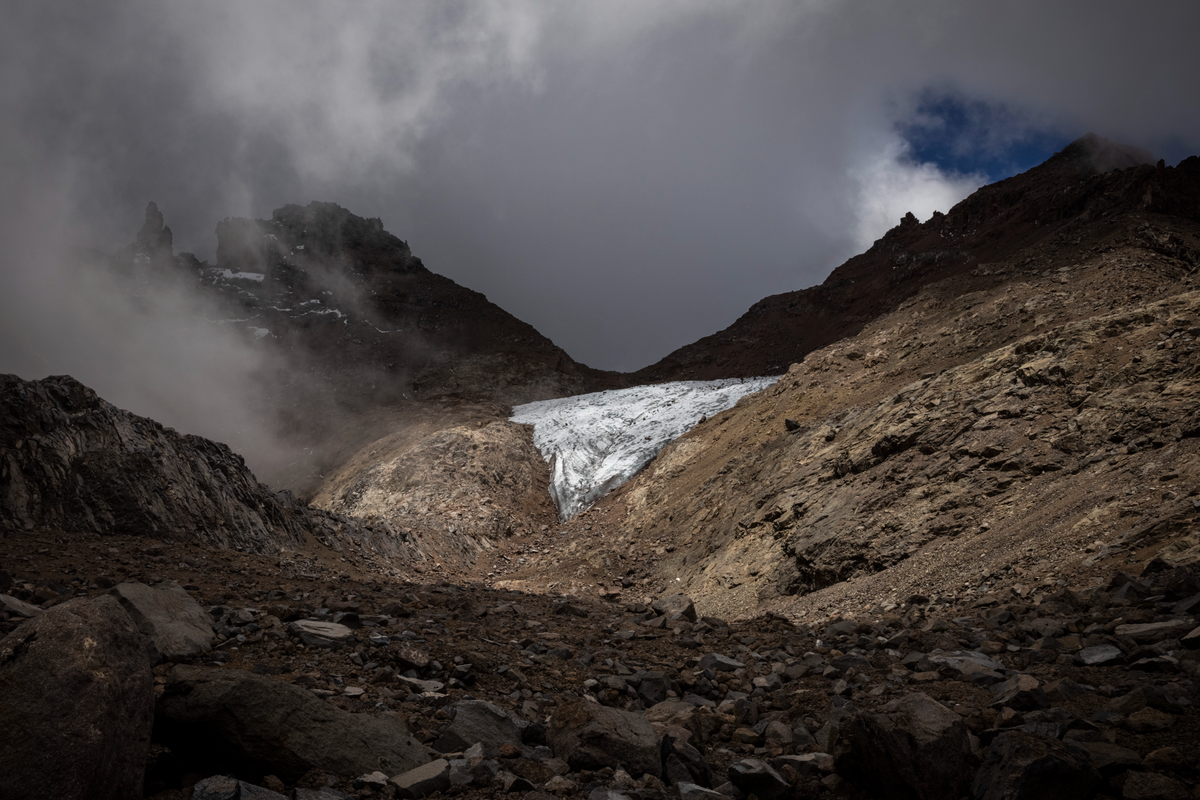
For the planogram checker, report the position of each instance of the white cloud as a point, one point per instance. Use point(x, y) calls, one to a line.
point(888, 183)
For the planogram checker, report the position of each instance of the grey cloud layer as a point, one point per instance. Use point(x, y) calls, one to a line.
point(626, 176)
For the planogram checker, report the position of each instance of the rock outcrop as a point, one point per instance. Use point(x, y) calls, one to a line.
point(68, 459)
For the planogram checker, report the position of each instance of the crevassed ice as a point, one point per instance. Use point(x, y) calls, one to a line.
point(595, 442)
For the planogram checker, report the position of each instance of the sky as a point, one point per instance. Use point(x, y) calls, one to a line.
point(626, 176)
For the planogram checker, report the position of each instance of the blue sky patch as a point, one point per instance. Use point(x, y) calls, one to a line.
point(963, 135)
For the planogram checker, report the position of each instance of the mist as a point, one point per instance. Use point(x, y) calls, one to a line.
point(627, 177)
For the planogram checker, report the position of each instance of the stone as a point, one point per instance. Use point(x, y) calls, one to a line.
point(77, 704)
point(1191, 640)
point(692, 791)
point(1166, 759)
point(1021, 693)
point(719, 663)
point(675, 604)
point(274, 727)
point(755, 777)
point(218, 787)
point(227, 787)
point(1021, 766)
point(1101, 655)
point(423, 780)
point(174, 625)
point(18, 608)
point(1148, 720)
point(1151, 632)
point(1152, 786)
point(967, 662)
point(1140, 697)
point(916, 748)
point(1110, 759)
point(591, 736)
point(316, 633)
point(480, 722)
point(674, 713)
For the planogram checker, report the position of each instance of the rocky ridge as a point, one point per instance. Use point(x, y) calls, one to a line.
point(1039, 211)
point(71, 461)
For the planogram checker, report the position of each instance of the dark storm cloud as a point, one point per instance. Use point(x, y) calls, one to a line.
point(626, 176)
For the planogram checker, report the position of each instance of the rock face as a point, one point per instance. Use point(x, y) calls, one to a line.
point(76, 704)
point(69, 459)
point(174, 625)
point(262, 725)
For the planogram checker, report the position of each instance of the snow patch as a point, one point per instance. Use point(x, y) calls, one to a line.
point(596, 442)
point(260, 333)
point(230, 275)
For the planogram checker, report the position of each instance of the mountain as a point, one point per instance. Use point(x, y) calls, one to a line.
point(350, 304)
point(1039, 212)
point(1022, 410)
point(952, 551)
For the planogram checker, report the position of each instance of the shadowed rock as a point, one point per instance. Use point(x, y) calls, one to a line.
point(76, 704)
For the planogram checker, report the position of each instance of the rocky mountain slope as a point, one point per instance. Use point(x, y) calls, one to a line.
point(1035, 213)
point(1026, 420)
point(351, 305)
point(71, 461)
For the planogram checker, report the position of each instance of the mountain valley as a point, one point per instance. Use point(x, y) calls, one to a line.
point(951, 550)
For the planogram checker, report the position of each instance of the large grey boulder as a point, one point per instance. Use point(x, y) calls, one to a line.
point(588, 735)
point(916, 748)
point(271, 727)
point(482, 722)
point(173, 623)
point(76, 704)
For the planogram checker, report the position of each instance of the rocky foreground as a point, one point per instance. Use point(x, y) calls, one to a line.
point(128, 664)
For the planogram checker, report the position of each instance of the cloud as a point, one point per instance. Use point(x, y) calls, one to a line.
point(893, 184)
point(626, 176)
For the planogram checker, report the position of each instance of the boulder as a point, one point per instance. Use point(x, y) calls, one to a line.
point(478, 721)
point(591, 736)
point(1021, 693)
point(758, 778)
point(675, 604)
point(316, 633)
point(1021, 766)
point(423, 780)
point(259, 724)
point(173, 624)
point(18, 608)
point(916, 748)
point(76, 704)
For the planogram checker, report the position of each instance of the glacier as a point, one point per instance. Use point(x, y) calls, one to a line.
point(595, 442)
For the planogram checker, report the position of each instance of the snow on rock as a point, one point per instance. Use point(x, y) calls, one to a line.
point(230, 275)
point(596, 442)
